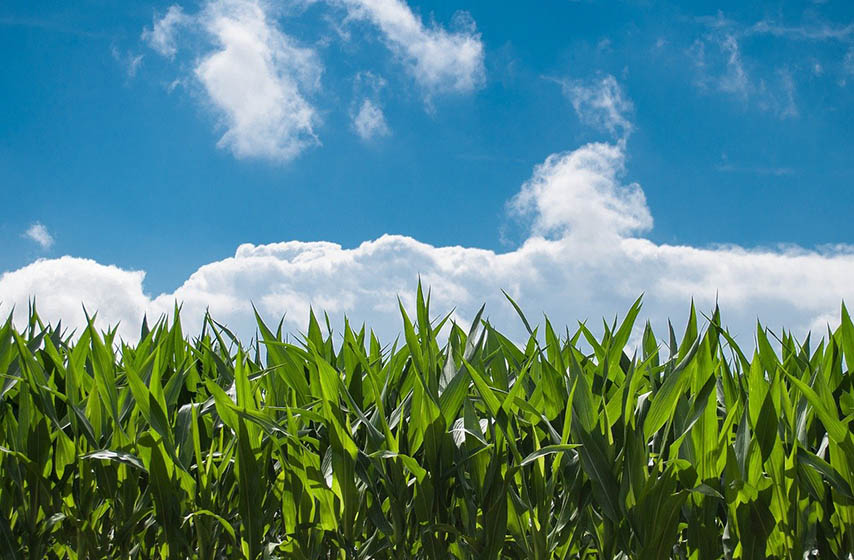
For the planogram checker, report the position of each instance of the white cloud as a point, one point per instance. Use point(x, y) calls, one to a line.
point(439, 60)
point(816, 32)
point(788, 106)
point(577, 195)
point(162, 35)
point(130, 61)
point(369, 121)
point(259, 80)
point(595, 264)
point(735, 79)
point(722, 68)
point(755, 169)
point(38, 232)
point(722, 65)
point(62, 286)
point(256, 81)
point(254, 77)
point(601, 104)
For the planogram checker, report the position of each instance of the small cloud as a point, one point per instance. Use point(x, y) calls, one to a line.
point(601, 104)
point(721, 66)
point(754, 170)
point(38, 233)
point(130, 61)
point(254, 77)
point(579, 194)
point(369, 83)
point(717, 58)
point(735, 79)
point(789, 107)
point(133, 65)
point(441, 61)
point(257, 79)
point(162, 35)
point(726, 166)
point(369, 122)
point(815, 32)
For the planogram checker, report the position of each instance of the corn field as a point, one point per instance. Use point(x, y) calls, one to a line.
point(447, 443)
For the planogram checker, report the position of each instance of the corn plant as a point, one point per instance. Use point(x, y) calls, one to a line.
point(444, 444)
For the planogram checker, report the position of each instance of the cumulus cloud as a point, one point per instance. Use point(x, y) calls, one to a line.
point(63, 286)
point(594, 262)
point(259, 81)
point(439, 60)
point(255, 78)
point(601, 104)
point(38, 232)
point(369, 121)
point(577, 195)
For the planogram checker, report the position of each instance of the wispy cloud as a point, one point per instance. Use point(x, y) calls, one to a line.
point(600, 103)
point(366, 112)
point(848, 65)
point(162, 36)
point(720, 66)
point(788, 106)
point(815, 32)
point(369, 121)
point(735, 79)
point(48, 25)
point(755, 170)
point(439, 60)
point(129, 61)
point(38, 232)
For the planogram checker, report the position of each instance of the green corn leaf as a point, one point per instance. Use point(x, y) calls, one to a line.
point(664, 401)
point(116, 457)
point(831, 475)
point(835, 428)
point(251, 493)
point(548, 450)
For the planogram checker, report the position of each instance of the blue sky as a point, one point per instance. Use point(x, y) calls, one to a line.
point(127, 138)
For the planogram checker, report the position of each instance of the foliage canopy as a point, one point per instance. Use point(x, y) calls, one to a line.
point(340, 447)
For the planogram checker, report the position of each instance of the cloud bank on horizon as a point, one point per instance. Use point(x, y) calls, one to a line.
point(584, 257)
